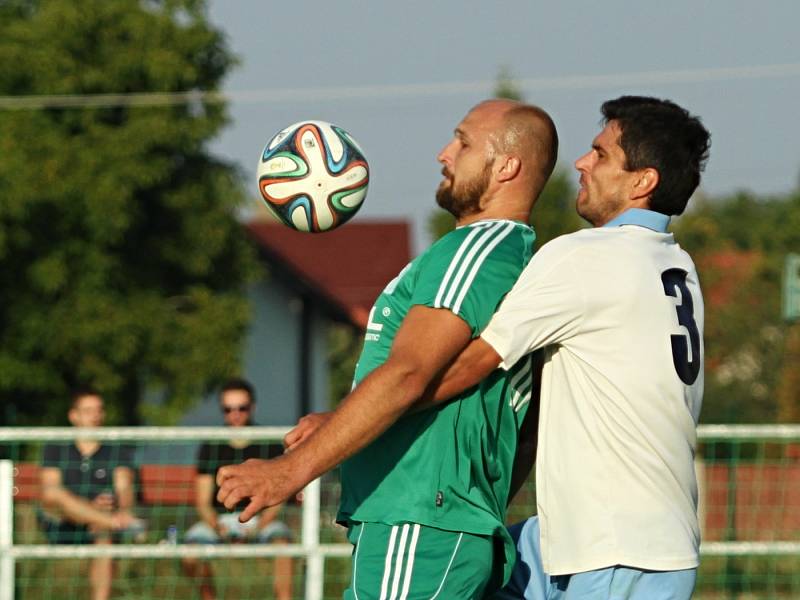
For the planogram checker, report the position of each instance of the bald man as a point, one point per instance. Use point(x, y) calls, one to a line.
point(424, 492)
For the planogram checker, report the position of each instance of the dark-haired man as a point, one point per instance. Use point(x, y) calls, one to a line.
point(236, 402)
point(619, 313)
point(87, 490)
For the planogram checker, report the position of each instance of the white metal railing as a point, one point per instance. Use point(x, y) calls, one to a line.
point(309, 547)
point(748, 432)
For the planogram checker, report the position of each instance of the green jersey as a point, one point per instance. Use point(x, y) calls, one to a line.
point(447, 467)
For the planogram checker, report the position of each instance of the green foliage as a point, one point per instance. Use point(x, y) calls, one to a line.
point(554, 213)
point(439, 223)
point(121, 262)
point(738, 243)
point(506, 87)
point(344, 348)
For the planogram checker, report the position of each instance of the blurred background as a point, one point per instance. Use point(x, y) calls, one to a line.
point(124, 260)
point(135, 256)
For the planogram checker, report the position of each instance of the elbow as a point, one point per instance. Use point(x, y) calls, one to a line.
point(409, 383)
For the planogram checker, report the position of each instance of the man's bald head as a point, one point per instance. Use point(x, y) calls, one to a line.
point(529, 132)
point(498, 161)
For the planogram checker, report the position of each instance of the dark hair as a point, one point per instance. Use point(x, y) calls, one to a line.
point(238, 384)
point(661, 135)
point(81, 392)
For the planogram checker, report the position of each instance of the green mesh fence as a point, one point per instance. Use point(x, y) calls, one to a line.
point(749, 482)
point(167, 549)
point(749, 508)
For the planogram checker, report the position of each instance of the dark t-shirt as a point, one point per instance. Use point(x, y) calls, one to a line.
point(213, 455)
point(88, 476)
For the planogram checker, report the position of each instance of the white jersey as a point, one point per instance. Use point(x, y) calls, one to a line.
point(620, 313)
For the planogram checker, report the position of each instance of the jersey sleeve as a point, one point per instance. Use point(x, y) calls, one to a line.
point(544, 307)
point(126, 456)
point(470, 270)
point(204, 462)
point(52, 456)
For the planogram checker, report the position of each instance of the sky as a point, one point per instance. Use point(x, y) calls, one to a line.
point(399, 76)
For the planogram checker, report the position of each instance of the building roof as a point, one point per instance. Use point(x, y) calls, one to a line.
point(347, 267)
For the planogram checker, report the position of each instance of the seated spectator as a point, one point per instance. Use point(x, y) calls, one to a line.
point(237, 403)
point(87, 490)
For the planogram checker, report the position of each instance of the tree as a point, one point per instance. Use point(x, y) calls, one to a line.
point(739, 243)
point(121, 262)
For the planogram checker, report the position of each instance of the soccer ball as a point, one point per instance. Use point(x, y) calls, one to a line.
point(313, 176)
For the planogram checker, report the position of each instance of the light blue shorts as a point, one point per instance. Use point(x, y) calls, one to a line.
point(202, 533)
point(530, 582)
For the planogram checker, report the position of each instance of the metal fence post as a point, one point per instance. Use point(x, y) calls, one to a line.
point(314, 558)
point(6, 530)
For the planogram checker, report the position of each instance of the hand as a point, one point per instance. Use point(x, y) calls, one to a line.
point(123, 520)
point(223, 532)
point(305, 427)
point(265, 482)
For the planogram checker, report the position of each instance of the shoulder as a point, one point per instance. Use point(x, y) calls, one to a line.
point(566, 247)
point(486, 235)
point(484, 242)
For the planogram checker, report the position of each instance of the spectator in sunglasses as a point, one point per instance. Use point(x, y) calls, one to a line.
point(217, 525)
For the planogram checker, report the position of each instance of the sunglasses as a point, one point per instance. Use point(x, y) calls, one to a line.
point(230, 409)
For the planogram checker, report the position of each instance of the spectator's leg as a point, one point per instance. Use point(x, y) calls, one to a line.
point(282, 584)
point(200, 570)
point(277, 532)
point(100, 574)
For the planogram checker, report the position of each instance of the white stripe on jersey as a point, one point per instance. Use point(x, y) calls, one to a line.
point(355, 562)
point(462, 269)
point(522, 393)
point(450, 285)
point(437, 303)
point(398, 564)
point(387, 566)
point(476, 267)
point(410, 564)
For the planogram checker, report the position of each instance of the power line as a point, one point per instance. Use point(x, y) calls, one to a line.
point(362, 92)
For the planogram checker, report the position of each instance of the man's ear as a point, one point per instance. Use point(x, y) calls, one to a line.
point(507, 167)
point(645, 184)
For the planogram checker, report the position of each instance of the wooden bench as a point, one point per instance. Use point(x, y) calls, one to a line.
point(158, 485)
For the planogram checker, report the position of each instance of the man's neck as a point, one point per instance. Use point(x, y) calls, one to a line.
point(486, 214)
point(87, 447)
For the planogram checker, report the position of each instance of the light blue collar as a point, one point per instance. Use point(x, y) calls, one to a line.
point(641, 217)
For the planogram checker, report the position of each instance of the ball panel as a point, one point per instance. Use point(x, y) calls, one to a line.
point(347, 201)
point(313, 176)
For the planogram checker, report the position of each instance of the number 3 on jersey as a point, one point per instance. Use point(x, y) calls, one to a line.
point(686, 361)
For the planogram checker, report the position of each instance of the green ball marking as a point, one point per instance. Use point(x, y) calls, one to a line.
point(300, 171)
point(336, 199)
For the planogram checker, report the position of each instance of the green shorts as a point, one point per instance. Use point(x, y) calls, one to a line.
point(412, 562)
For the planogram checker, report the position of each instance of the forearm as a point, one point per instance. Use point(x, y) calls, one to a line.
point(377, 402)
point(78, 510)
point(208, 515)
point(468, 369)
point(123, 488)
